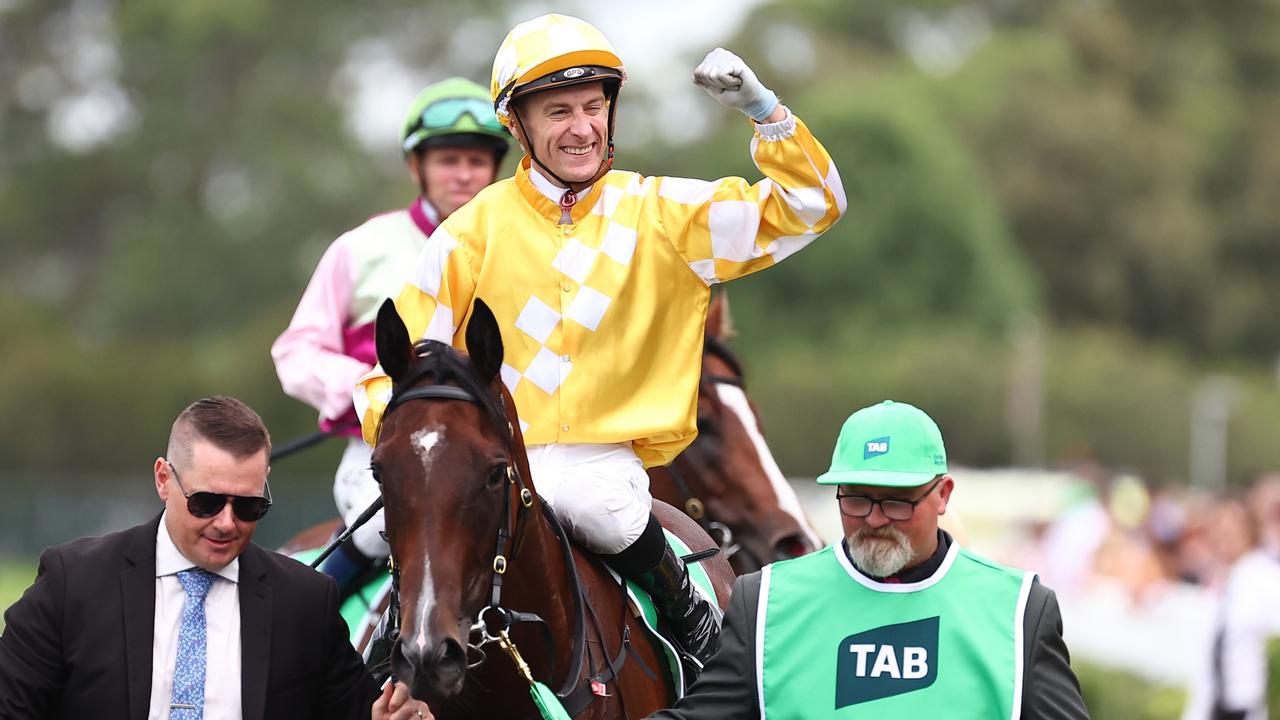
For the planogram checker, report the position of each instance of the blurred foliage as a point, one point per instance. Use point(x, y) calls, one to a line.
point(15, 578)
point(1130, 146)
point(172, 171)
point(1109, 399)
point(1273, 677)
point(1112, 693)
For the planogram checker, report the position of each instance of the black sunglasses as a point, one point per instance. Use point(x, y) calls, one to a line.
point(207, 504)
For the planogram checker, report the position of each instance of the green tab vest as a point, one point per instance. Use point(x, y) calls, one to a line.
point(832, 643)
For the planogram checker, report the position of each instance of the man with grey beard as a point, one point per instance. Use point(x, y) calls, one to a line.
point(898, 618)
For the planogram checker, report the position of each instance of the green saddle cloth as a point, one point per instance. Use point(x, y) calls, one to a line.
point(648, 613)
point(360, 610)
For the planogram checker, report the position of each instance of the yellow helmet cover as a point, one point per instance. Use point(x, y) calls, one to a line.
point(545, 45)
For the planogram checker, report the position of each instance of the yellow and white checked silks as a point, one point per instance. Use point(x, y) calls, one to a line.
point(602, 319)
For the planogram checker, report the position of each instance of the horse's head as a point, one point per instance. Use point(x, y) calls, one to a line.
point(730, 467)
point(447, 454)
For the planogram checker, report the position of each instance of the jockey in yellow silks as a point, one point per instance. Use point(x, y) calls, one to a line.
point(600, 280)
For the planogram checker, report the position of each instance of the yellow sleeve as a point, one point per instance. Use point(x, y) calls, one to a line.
point(432, 304)
point(728, 228)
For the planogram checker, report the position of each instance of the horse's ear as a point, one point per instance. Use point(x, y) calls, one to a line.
point(395, 352)
point(719, 321)
point(484, 341)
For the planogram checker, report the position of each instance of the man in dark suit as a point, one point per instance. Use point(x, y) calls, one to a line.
point(897, 619)
point(183, 617)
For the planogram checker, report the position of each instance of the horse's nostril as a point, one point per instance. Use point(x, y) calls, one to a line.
point(452, 653)
point(404, 661)
point(791, 546)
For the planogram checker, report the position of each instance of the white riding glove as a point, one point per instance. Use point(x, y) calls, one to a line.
point(728, 79)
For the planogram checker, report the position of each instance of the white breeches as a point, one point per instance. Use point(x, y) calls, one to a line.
point(599, 492)
point(354, 490)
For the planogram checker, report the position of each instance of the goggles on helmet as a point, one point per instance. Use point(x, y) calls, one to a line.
point(453, 115)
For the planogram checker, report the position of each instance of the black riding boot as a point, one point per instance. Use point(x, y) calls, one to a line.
point(694, 621)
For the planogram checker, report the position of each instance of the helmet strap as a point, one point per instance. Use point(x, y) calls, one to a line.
point(613, 109)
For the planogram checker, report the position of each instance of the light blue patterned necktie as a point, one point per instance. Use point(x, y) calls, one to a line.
point(187, 702)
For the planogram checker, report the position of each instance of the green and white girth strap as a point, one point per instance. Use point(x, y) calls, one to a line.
point(832, 643)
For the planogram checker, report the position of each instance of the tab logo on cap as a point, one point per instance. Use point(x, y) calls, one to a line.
point(876, 447)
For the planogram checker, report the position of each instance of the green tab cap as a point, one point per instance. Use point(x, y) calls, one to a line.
point(891, 444)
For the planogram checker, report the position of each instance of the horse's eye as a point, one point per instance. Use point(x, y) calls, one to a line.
point(497, 475)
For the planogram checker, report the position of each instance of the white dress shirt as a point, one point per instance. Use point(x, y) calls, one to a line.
point(222, 624)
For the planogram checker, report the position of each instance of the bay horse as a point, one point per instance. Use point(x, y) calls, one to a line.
point(727, 479)
point(475, 551)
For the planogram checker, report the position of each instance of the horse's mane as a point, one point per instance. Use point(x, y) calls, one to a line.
point(716, 348)
point(446, 365)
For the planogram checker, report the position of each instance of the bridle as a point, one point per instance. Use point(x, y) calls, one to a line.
point(493, 621)
point(514, 479)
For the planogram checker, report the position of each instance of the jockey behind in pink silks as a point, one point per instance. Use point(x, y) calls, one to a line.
point(453, 146)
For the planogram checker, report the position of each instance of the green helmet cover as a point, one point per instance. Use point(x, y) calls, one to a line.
point(451, 107)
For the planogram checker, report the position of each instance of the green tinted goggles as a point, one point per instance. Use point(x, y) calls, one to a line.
point(446, 117)
point(447, 114)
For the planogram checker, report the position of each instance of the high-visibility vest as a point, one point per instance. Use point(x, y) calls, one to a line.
point(833, 643)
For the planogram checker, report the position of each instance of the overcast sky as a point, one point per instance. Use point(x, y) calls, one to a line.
point(659, 40)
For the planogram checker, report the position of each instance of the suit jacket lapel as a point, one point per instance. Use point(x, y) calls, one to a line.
point(138, 591)
point(255, 633)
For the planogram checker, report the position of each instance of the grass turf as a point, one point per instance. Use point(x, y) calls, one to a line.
point(15, 577)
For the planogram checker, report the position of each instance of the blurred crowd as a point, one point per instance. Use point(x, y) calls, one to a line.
point(1178, 585)
point(1115, 531)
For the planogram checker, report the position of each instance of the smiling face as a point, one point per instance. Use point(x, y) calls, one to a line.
point(566, 129)
point(211, 543)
